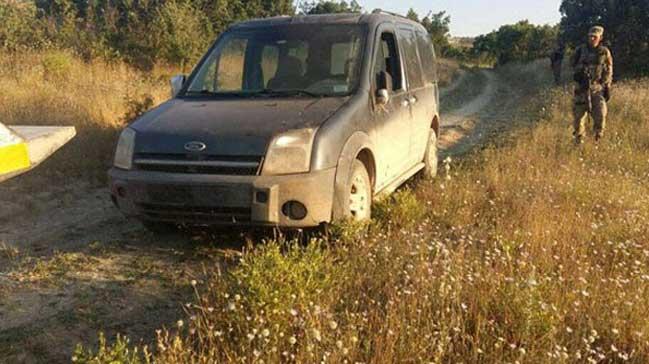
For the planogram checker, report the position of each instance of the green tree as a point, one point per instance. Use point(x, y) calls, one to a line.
point(438, 26)
point(18, 31)
point(412, 15)
point(330, 7)
point(520, 42)
point(144, 32)
point(181, 32)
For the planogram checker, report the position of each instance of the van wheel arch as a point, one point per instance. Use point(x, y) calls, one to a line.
point(435, 125)
point(358, 147)
point(367, 158)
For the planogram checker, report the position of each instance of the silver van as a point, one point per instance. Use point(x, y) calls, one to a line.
point(288, 121)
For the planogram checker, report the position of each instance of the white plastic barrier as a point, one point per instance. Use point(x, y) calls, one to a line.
point(24, 147)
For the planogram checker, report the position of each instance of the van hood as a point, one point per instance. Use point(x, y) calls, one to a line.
point(228, 127)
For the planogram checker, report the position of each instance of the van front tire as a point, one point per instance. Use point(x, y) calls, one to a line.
point(355, 202)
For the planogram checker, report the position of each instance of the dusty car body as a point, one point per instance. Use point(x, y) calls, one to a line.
point(287, 121)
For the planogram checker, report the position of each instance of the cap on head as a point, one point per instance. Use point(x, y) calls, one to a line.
point(596, 30)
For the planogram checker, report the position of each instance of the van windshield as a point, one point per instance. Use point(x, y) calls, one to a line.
point(288, 60)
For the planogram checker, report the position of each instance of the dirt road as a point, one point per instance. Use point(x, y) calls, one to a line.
point(71, 265)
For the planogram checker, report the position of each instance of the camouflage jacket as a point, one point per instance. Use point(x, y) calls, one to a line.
point(597, 62)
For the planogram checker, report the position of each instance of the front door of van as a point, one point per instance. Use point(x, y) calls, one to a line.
point(392, 120)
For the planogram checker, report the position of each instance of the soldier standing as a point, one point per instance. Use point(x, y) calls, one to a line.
point(593, 71)
point(556, 59)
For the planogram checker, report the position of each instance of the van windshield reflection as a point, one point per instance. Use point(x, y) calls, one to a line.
point(283, 61)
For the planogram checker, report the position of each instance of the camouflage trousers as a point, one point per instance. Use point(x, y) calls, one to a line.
point(580, 111)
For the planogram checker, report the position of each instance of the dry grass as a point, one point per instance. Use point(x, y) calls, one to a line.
point(529, 251)
point(97, 98)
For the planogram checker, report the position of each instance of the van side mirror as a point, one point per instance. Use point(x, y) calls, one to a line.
point(383, 87)
point(177, 83)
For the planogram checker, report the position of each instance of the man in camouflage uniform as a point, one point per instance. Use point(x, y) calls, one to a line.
point(593, 71)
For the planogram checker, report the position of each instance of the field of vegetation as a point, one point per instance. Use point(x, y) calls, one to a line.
point(528, 250)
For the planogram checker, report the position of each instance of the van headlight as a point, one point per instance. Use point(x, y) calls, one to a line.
point(290, 153)
point(124, 151)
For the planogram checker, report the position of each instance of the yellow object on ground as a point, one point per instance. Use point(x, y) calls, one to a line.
point(14, 158)
point(14, 155)
point(24, 147)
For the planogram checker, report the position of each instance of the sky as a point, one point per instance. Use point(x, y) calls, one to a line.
point(475, 17)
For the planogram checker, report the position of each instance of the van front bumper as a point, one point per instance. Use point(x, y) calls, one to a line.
point(224, 200)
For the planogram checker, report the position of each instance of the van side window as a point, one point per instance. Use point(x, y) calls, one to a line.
point(428, 59)
point(387, 60)
point(413, 66)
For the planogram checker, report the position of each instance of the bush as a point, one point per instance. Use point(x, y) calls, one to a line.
point(136, 107)
point(20, 30)
point(402, 209)
point(180, 33)
point(56, 66)
point(118, 353)
point(520, 42)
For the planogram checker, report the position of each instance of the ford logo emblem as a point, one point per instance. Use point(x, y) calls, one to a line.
point(195, 146)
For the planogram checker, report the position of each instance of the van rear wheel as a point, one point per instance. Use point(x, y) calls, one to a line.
point(431, 160)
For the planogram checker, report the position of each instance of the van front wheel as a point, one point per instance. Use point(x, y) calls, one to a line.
point(356, 197)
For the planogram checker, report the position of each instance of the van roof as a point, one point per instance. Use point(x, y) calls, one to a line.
point(372, 19)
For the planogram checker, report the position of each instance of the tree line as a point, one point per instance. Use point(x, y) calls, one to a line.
point(145, 32)
point(520, 42)
point(141, 32)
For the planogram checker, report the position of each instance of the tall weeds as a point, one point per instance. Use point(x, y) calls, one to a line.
point(535, 251)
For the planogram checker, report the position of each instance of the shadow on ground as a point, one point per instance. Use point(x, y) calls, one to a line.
point(51, 299)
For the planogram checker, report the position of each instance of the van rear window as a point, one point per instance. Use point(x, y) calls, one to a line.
point(428, 60)
point(413, 67)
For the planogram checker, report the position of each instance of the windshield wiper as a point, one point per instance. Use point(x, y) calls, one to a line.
point(290, 92)
point(264, 92)
point(220, 94)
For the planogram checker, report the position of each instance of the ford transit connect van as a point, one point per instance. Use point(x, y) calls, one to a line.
point(287, 121)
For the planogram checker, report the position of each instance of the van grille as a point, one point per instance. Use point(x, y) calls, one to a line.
point(189, 164)
point(196, 215)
